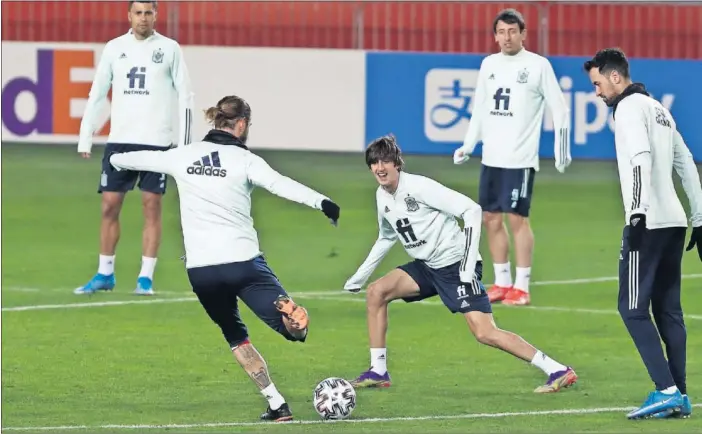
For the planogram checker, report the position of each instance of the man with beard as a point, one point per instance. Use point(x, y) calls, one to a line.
point(648, 148)
point(215, 178)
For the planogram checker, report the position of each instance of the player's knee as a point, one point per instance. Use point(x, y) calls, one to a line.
point(492, 221)
point(486, 336)
point(518, 222)
point(630, 313)
point(111, 206)
point(377, 293)
point(152, 206)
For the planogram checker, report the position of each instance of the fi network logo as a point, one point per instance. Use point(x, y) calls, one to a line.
point(53, 90)
point(448, 103)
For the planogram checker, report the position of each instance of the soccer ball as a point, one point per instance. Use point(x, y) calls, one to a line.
point(334, 399)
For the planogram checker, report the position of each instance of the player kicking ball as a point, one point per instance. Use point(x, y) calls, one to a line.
point(421, 213)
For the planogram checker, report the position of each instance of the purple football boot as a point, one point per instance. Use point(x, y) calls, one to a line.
point(371, 379)
point(558, 380)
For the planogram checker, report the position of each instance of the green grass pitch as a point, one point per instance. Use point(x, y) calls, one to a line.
point(161, 362)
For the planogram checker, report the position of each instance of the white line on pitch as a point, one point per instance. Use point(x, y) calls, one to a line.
point(315, 422)
point(315, 294)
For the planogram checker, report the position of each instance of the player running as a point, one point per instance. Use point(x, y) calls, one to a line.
point(648, 148)
point(513, 89)
point(215, 178)
point(422, 213)
point(148, 76)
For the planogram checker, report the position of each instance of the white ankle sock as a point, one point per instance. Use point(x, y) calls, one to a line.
point(107, 265)
point(148, 265)
point(503, 275)
point(670, 390)
point(547, 364)
point(275, 399)
point(379, 360)
point(522, 280)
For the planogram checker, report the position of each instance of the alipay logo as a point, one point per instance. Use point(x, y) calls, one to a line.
point(448, 103)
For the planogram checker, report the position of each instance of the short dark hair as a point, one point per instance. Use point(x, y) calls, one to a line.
point(608, 60)
point(385, 149)
point(509, 16)
point(153, 2)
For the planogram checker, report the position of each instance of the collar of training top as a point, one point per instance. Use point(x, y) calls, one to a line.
point(223, 138)
point(630, 90)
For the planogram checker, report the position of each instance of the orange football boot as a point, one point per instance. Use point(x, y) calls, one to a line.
point(295, 313)
point(517, 297)
point(497, 293)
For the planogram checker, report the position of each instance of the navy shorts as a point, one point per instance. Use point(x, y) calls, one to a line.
point(124, 180)
point(446, 282)
point(220, 287)
point(651, 276)
point(506, 190)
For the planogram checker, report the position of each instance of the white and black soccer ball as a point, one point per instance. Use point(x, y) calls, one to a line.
point(334, 399)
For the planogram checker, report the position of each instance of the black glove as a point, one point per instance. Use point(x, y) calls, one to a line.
point(696, 238)
point(331, 210)
point(637, 228)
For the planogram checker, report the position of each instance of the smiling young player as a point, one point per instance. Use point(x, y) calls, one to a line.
point(421, 213)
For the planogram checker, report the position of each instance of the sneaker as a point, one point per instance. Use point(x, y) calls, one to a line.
point(558, 380)
point(658, 402)
point(498, 293)
point(517, 297)
point(282, 414)
point(99, 282)
point(296, 314)
point(681, 413)
point(371, 379)
point(144, 286)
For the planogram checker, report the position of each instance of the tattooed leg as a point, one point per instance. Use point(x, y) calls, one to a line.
point(253, 364)
point(256, 368)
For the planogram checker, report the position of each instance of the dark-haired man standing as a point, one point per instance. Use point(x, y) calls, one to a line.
point(648, 148)
point(514, 87)
point(148, 77)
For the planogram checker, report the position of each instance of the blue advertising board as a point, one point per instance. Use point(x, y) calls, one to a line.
point(407, 92)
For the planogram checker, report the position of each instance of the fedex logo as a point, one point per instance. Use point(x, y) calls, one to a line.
point(46, 103)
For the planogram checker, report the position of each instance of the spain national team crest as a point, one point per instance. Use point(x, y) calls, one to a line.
point(157, 57)
point(523, 76)
point(411, 203)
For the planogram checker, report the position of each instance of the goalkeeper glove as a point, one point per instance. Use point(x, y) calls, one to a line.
point(637, 228)
point(696, 239)
point(331, 210)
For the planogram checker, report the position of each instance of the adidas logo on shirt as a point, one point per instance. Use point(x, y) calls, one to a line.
point(208, 165)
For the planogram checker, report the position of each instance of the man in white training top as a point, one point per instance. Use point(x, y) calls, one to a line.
point(514, 87)
point(148, 77)
point(649, 148)
point(215, 179)
point(421, 214)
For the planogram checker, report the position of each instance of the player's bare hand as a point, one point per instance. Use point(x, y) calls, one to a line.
point(460, 157)
point(85, 155)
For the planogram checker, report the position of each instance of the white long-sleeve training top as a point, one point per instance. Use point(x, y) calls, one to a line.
point(148, 79)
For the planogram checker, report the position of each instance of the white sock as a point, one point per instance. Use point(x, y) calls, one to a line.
point(547, 364)
point(379, 362)
point(147, 267)
point(522, 280)
point(503, 275)
point(107, 265)
point(275, 399)
point(670, 390)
